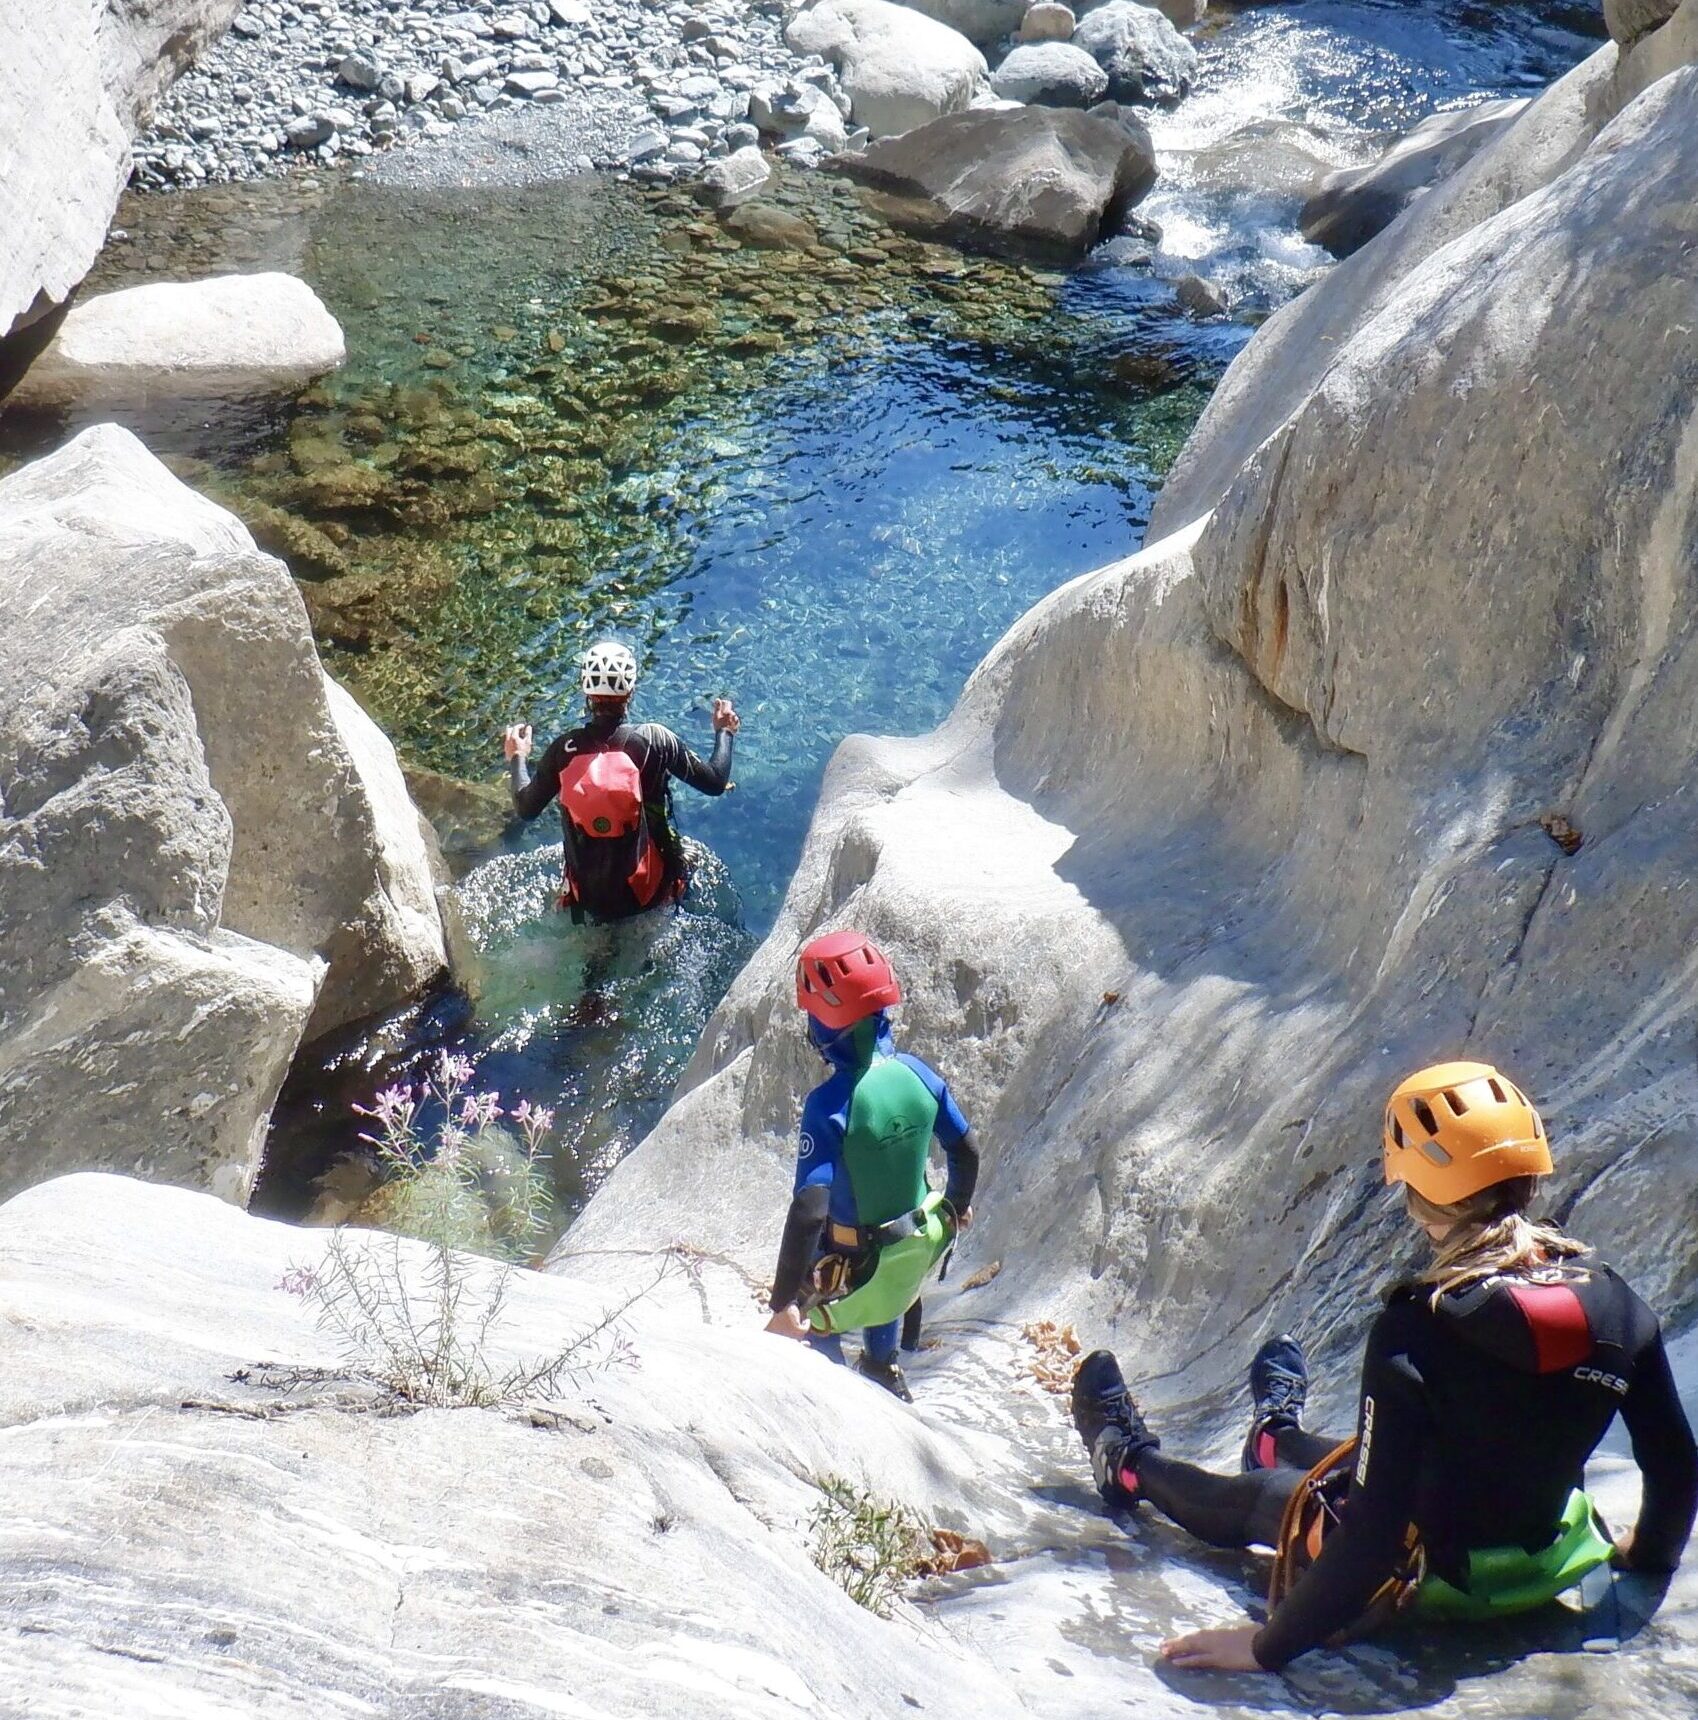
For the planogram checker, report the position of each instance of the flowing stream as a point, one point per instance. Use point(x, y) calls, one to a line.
point(819, 473)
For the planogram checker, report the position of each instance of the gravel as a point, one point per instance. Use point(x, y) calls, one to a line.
point(653, 88)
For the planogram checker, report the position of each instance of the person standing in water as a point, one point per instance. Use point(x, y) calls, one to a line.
point(612, 781)
point(864, 1230)
point(1487, 1384)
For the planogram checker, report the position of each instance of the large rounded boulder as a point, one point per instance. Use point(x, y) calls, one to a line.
point(898, 67)
point(227, 336)
point(1050, 74)
point(207, 850)
point(980, 21)
point(1145, 58)
point(1032, 179)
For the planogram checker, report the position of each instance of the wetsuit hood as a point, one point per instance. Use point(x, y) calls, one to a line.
point(1536, 1323)
point(855, 1046)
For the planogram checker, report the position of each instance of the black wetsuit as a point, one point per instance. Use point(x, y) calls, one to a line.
point(1475, 1423)
point(659, 756)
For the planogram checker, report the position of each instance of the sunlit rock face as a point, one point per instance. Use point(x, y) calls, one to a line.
point(206, 850)
point(85, 74)
point(1222, 840)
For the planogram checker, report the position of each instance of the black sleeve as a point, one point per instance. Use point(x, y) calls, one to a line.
point(532, 793)
point(963, 1157)
point(1392, 1427)
point(713, 777)
point(1668, 1460)
point(802, 1229)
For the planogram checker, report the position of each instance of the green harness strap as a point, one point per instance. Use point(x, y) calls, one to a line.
point(1504, 1580)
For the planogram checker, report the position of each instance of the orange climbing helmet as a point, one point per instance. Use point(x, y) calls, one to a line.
point(1456, 1128)
point(843, 978)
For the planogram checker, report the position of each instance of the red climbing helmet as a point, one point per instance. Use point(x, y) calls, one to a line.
point(843, 978)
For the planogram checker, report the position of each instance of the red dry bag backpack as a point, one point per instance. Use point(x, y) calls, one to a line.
point(614, 868)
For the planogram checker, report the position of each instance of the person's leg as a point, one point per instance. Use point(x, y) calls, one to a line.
point(1224, 1510)
point(878, 1359)
point(878, 1343)
point(1127, 1461)
point(829, 1345)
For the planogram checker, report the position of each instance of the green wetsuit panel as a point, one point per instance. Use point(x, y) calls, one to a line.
point(1504, 1580)
point(889, 1135)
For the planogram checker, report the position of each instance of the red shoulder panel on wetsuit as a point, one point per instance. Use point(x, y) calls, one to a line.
point(1562, 1335)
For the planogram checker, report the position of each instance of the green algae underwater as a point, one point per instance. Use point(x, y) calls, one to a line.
point(788, 453)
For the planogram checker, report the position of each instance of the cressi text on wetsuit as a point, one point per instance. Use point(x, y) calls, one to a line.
point(824, 1190)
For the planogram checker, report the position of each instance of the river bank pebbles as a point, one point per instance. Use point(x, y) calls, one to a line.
point(317, 82)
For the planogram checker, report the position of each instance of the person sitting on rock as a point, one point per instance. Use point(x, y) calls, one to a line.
point(1487, 1384)
point(864, 1230)
point(612, 781)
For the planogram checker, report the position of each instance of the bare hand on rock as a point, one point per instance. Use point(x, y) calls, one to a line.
point(1225, 1649)
point(787, 1322)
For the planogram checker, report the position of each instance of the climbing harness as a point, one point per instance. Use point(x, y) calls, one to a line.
point(1497, 1582)
point(878, 1279)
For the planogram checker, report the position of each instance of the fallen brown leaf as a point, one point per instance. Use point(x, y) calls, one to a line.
point(983, 1276)
point(1056, 1360)
point(953, 1552)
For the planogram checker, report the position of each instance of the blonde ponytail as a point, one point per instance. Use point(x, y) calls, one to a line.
point(1490, 1234)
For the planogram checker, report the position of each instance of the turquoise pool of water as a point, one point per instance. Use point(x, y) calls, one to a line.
point(820, 481)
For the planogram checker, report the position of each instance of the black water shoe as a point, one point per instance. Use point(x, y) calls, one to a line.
point(1279, 1384)
point(1111, 1427)
point(886, 1374)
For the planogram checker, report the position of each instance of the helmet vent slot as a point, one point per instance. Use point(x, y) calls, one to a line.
point(1458, 1106)
point(1424, 1115)
point(1497, 1090)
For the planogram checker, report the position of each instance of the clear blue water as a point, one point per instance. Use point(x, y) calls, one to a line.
point(833, 535)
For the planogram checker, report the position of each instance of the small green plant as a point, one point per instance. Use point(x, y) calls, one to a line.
point(419, 1324)
point(869, 1547)
point(452, 1173)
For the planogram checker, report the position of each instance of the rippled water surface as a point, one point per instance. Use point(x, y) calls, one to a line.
point(820, 473)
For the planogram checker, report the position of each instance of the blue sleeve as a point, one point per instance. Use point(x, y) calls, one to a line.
point(951, 1126)
point(819, 1147)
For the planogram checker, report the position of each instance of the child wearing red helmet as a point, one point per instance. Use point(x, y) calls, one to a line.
point(864, 1229)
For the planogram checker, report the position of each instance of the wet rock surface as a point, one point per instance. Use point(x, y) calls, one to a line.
point(1039, 179)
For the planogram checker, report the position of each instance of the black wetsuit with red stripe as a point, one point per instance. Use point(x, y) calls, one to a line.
point(1475, 1422)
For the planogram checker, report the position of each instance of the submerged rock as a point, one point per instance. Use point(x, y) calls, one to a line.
point(1349, 207)
point(231, 335)
point(206, 849)
point(1027, 178)
point(898, 67)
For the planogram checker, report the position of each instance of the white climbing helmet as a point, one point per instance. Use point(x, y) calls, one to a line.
point(609, 671)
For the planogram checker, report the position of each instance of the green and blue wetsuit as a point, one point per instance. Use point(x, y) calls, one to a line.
point(861, 1164)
